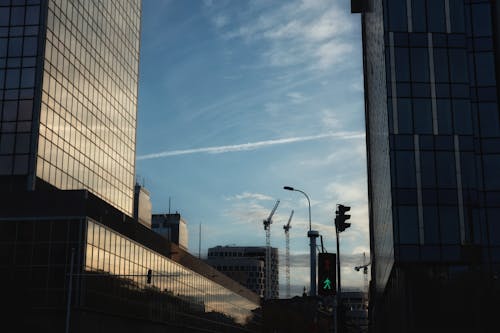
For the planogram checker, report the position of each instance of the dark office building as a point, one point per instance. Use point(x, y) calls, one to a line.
point(72, 257)
point(433, 141)
point(173, 227)
point(247, 265)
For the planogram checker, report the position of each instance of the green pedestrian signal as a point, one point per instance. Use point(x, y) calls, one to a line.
point(327, 284)
point(327, 274)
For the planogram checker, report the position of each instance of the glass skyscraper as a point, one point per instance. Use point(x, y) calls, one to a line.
point(72, 257)
point(433, 141)
point(68, 87)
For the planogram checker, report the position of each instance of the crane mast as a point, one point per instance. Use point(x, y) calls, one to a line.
point(287, 255)
point(267, 227)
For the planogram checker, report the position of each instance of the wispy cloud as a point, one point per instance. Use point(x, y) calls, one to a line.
point(297, 32)
point(250, 146)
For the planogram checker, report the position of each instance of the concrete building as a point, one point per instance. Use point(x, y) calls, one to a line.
point(433, 142)
point(72, 258)
point(246, 264)
point(142, 205)
point(173, 227)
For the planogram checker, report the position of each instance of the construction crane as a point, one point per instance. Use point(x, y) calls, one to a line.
point(267, 228)
point(287, 255)
point(365, 272)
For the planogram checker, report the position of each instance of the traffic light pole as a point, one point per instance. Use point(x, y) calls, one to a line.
point(339, 290)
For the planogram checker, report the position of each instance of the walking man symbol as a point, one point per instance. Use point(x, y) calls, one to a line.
point(327, 284)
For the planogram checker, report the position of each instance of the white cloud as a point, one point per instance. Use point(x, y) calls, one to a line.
point(220, 21)
point(247, 195)
point(297, 33)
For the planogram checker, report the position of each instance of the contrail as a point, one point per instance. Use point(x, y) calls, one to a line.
point(251, 145)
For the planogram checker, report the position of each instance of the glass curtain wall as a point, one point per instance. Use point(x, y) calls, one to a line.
point(116, 256)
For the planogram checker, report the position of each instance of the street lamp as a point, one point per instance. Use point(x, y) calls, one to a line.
point(312, 234)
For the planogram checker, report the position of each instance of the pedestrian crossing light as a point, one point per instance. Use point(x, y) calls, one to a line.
point(327, 274)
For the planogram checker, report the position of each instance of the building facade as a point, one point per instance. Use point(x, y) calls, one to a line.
point(246, 264)
point(433, 143)
point(72, 257)
point(142, 205)
point(69, 93)
point(173, 227)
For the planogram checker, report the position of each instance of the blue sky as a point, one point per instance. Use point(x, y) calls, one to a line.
point(238, 99)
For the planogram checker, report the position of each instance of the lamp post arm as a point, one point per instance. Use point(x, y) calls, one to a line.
point(309, 203)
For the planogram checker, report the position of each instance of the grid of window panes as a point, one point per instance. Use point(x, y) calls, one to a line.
point(111, 253)
point(89, 98)
point(19, 36)
point(444, 124)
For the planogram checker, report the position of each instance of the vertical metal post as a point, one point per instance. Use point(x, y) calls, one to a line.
point(339, 289)
point(312, 234)
point(70, 290)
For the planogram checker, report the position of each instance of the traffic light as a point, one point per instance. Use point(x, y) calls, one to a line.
point(150, 275)
point(327, 274)
point(341, 218)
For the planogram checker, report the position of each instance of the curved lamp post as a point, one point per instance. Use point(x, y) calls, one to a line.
point(312, 234)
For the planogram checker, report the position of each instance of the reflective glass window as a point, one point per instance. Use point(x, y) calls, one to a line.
point(441, 65)
point(422, 112)
point(408, 224)
point(462, 116)
point(458, 65)
point(436, 16)
point(457, 18)
point(397, 15)
point(489, 119)
point(448, 216)
point(402, 58)
point(491, 165)
point(405, 115)
point(419, 17)
point(427, 169)
point(481, 19)
point(420, 64)
point(431, 225)
point(405, 168)
point(445, 166)
point(444, 116)
point(485, 69)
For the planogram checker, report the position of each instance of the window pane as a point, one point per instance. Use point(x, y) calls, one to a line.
point(441, 65)
point(458, 65)
point(489, 119)
point(418, 16)
point(491, 165)
point(428, 169)
point(457, 16)
point(405, 169)
point(397, 15)
point(422, 112)
point(405, 116)
point(450, 233)
point(444, 116)
point(420, 64)
point(485, 69)
point(445, 163)
point(462, 116)
point(402, 64)
point(30, 44)
point(431, 225)
point(435, 14)
point(408, 224)
point(481, 19)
